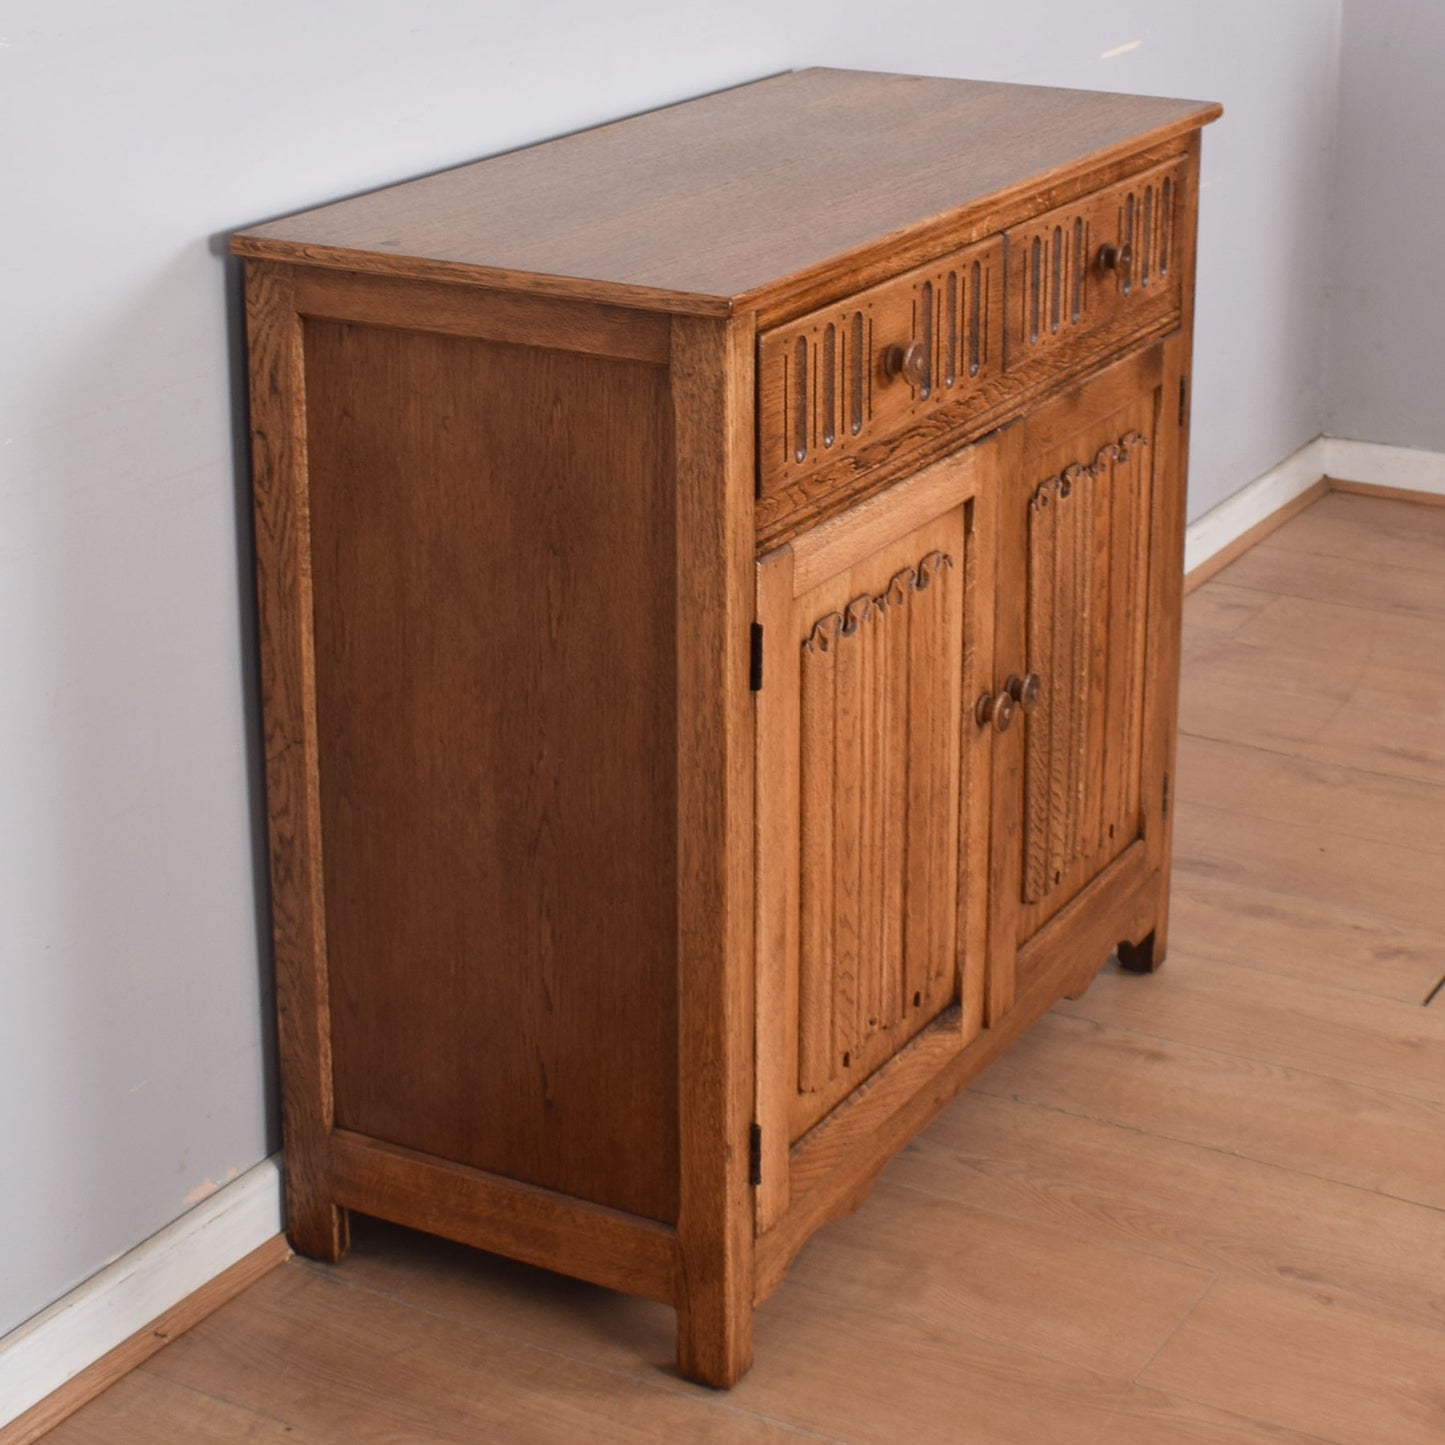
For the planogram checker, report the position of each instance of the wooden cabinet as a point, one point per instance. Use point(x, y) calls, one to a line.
point(719, 584)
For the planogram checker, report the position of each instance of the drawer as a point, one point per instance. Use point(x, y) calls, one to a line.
point(1110, 256)
point(862, 370)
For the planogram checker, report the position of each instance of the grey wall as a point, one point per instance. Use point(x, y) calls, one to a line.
point(134, 1067)
point(1386, 357)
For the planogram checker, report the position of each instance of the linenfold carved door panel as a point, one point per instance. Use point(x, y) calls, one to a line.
point(1086, 591)
point(1076, 519)
point(872, 787)
point(878, 784)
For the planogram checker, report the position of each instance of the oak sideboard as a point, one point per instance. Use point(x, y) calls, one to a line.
point(719, 581)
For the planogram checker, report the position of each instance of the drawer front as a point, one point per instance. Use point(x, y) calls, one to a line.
point(836, 380)
point(1106, 256)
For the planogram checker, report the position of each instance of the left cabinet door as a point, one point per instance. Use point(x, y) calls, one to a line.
point(872, 807)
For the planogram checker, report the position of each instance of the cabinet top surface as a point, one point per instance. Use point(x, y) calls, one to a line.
point(721, 197)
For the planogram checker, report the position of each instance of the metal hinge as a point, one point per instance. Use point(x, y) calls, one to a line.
point(1165, 809)
point(1183, 397)
point(755, 659)
point(755, 1155)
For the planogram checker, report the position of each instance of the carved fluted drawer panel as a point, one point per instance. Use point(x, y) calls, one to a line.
point(827, 387)
point(1112, 254)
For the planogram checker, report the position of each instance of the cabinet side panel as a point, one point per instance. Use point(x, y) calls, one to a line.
point(492, 555)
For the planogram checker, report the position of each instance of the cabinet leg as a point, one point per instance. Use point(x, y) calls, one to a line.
point(714, 1337)
point(316, 1227)
point(1142, 957)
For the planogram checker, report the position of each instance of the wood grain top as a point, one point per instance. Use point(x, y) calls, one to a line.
point(713, 200)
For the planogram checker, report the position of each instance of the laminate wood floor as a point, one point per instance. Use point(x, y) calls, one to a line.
point(1207, 1206)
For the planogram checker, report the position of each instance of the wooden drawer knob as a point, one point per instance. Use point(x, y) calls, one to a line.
point(910, 362)
point(1116, 258)
point(996, 708)
point(1025, 691)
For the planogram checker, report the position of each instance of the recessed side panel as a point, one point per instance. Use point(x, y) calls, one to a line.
point(492, 545)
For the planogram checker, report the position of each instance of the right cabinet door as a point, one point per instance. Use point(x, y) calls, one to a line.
point(1079, 483)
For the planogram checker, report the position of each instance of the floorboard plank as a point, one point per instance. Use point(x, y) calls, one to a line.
point(933, 1261)
point(143, 1409)
point(879, 1381)
point(1353, 636)
point(1308, 865)
point(1378, 1043)
point(355, 1366)
point(1218, 608)
point(1363, 715)
point(1319, 941)
point(1217, 1211)
point(1275, 566)
point(1276, 788)
point(1320, 1126)
point(1369, 529)
point(1303, 1363)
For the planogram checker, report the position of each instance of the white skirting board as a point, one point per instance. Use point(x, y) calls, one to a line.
point(57, 1344)
point(1335, 457)
point(1384, 466)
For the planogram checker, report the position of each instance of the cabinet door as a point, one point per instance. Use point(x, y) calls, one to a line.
point(1077, 502)
point(872, 797)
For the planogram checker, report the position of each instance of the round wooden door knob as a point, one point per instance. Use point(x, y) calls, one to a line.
point(910, 362)
point(996, 708)
point(1116, 258)
point(1026, 690)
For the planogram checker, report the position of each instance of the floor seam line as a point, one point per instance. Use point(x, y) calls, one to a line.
point(1073, 1012)
point(1215, 1149)
point(1178, 1325)
point(145, 1367)
point(1323, 601)
point(1308, 761)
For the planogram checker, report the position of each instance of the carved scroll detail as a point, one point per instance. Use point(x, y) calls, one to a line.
point(827, 630)
point(1061, 486)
